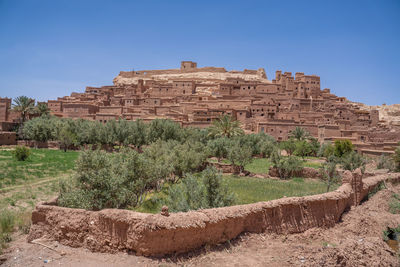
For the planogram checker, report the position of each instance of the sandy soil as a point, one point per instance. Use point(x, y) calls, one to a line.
point(355, 241)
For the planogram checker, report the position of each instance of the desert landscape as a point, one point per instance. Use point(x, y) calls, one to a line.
point(176, 134)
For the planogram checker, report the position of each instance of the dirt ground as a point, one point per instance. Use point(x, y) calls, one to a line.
point(355, 241)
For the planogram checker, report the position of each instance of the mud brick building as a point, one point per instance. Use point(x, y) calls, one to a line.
point(196, 96)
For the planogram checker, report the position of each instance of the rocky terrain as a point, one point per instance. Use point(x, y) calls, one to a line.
point(388, 113)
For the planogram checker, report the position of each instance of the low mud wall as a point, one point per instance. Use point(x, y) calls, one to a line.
point(154, 234)
point(305, 172)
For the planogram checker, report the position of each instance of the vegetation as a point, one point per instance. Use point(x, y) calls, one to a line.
point(239, 155)
point(394, 204)
point(24, 105)
point(343, 147)
point(42, 163)
point(299, 134)
point(226, 126)
point(329, 174)
point(352, 161)
point(396, 159)
point(206, 190)
point(385, 162)
point(21, 153)
point(286, 166)
point(251, 190)
point(104, 180)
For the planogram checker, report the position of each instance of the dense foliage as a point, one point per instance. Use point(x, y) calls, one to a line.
point(206, 190)
point(21, 153)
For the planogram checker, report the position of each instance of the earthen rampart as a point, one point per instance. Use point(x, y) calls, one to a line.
point(111, 230)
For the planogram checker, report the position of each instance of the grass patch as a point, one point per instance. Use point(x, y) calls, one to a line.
point(312, 164)
point(248, 190)
point(251, 190)
point(262, 165)
point(41, 163)
point(258, 165)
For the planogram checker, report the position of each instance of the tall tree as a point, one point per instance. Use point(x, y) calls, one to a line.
point(42, 109)
point(225, 126)
point(25, 105)
point(299, 134)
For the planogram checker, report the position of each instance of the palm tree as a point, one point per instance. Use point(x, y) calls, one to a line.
point(42, 109)
point(225, 126)
point(25, 105)
point(299, 134)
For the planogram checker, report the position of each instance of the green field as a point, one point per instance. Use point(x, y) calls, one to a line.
point(25, 183)
point(249, 190)
point(261, 165)
point(42, 163)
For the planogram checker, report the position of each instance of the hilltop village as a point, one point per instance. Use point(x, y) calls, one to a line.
point(196, 96)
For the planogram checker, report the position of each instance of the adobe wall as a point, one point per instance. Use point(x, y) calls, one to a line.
point(8, 138)
point(154, 234)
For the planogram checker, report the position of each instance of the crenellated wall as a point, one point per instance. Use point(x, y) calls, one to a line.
point(111, 230)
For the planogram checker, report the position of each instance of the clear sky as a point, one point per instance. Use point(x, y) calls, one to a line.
point(55, 47)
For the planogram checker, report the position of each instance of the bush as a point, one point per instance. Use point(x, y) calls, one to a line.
point(206, 190)
point(343, 147)
point(286, 166)
point(385, 162)
point(326, 150)
point(105, 180)
point(303, 149)
point(329, 174)
point(352, 161)
point(396, 159)
point(219, 147)
point(22, 153)
point(239, 155)
point(289, 146)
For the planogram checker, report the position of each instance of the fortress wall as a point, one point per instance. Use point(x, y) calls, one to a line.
point(154, 234)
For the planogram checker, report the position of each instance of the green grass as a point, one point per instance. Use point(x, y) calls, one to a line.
point(25, 183)
point(41, 163)
point(261, 165)
point(251, 190)
point(248, 190)
point(312, 164)
point(258, 165)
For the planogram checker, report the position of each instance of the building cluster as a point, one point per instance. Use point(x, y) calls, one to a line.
point(196, 96)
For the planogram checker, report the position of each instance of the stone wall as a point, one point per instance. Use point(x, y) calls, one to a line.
point(112, 230)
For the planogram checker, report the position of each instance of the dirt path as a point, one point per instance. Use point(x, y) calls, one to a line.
point(33, 184)
point(355, 241)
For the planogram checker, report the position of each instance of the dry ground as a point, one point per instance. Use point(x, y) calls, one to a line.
point(355, 241)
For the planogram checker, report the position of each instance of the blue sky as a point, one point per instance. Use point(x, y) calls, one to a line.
point(52, 48)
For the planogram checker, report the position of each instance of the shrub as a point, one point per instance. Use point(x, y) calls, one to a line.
point(239, 155)
point(22, 153)
point(286, 166)
point(394, 204)
point(343, 147)
point(219, 147)
point(303, 149)
point(206, 190)
point(396, 159)
point(7, 221)
point(105, 180)
point(385, 162)
point(352, 161)
point(267, 148)
point(289, 146)
point(329, 174)
point(326, 150)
